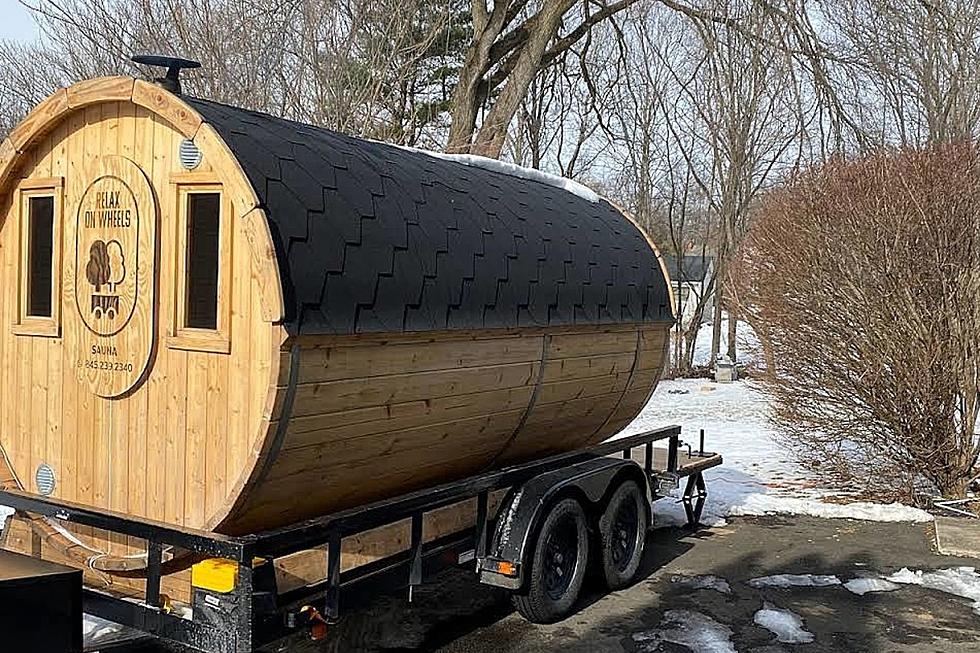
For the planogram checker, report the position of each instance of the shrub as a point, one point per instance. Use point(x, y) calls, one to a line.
point(862, 279)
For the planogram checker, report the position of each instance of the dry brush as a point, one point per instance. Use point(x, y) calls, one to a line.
point(863, 280)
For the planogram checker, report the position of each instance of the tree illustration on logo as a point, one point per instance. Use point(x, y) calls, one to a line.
point(117, 264)
point(106, 267)
point(97, 271)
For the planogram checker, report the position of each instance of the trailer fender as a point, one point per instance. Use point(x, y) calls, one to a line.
point(526, 506)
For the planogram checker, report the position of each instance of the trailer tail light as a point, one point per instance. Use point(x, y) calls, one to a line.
point(502, 567)
point(215, 575)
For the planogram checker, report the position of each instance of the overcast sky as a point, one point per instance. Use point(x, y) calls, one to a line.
point(16, 22)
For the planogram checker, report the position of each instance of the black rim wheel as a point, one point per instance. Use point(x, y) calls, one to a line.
point(561, 553)
point(622, 531)
point(625, 526)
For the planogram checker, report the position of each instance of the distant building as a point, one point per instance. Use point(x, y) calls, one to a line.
point(690, 276)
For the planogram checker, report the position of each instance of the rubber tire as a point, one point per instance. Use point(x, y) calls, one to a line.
point(617, 576)
point(534, 603)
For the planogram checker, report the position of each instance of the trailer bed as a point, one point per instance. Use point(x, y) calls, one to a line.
point(256, 612)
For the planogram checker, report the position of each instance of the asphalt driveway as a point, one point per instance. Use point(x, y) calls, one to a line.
point(679, 603)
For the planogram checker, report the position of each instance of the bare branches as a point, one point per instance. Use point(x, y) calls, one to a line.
point(864, 276)
point(499, 68)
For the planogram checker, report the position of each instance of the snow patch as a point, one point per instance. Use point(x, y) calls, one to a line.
point(862, 586)
point(764, 504)
point(746, 344)
point(795, 580)
point(694, 630)
point(958, 581)
point(4, 513)
point(758, 477)
point(703, 583)
point(785, 624)
point(96, 630)
point(514, 170)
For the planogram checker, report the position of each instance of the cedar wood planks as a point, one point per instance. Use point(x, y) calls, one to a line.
point(370, 416)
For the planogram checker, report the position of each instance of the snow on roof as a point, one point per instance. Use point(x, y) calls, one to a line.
point(514, 170)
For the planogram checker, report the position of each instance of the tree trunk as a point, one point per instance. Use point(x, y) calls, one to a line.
point(732, 328)
point(489, 140)
point(466, 95)
point(716, 326)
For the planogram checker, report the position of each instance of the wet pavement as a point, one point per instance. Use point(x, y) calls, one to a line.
point(454, 614)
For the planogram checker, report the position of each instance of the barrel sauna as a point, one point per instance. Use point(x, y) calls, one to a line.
point(215, 318)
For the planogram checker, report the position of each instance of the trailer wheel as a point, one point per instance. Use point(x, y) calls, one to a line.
point(623, 531)
point(561, 555)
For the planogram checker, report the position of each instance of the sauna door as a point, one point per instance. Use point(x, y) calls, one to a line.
point(110, 254)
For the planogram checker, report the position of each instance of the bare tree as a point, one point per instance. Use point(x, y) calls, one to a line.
point(739, 66)
point(383, 69)
point(907, 67)
point(27, 76)
point(513, 40)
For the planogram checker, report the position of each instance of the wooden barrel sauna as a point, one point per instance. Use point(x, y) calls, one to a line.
point(216, 318)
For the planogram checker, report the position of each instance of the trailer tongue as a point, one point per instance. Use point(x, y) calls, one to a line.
point(538, 544)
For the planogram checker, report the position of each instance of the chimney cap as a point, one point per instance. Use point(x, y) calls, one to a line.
point(174, 65)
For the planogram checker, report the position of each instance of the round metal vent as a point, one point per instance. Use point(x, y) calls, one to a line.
point(190, 154)
point(44, 479)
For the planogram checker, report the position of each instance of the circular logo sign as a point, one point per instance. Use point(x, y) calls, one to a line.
point(112, 240)
point(107, 256)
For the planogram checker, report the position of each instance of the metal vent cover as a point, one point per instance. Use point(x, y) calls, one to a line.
point(190, 154)
point(44, 479)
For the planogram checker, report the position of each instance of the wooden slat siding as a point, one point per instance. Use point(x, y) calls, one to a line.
point(7, 353)
point(655, 347)
point(74, 429)
point(136, 145)
point(238, 392)
point(176, 437)
point(217, 434)
point(589, 343)
point(332, 427)
point(282, 499)
point(196, 440)
point(58, 394)
point(398, 388)
point(131, 418)
point(575, 412)
point(77, 449)
point(585, 367)
point(404, 448)
point(343, 423)
point(393, 412)
point(115, 414)
point(22, 451)
point(330, 363)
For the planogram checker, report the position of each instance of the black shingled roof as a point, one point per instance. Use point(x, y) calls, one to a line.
point(374, 238)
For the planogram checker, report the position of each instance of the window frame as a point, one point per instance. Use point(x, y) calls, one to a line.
point(181, 336)
point(35, 325)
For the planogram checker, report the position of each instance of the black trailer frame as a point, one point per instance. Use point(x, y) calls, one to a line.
point(255, 614)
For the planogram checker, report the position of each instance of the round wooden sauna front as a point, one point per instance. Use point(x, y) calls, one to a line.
point(216, 318)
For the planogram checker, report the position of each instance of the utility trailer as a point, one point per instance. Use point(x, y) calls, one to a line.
point(559, 516)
